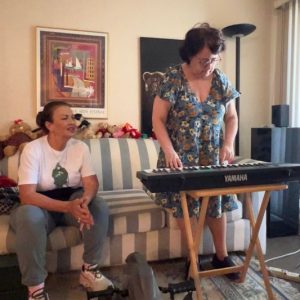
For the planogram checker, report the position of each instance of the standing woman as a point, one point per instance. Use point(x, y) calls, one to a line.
point(195, 100)
point(58, 186)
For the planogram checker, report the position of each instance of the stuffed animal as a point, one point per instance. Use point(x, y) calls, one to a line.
point(116, 131)
point(129, 131)
point(20, 134)
point(102, 131)
point(84, 130)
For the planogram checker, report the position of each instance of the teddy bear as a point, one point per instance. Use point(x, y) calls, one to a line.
point(20, 134)
point(102, 130)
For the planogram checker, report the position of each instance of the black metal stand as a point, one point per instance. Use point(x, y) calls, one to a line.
point(106, 294)
point(187, 286)
point(238, 31)
point(181, 287)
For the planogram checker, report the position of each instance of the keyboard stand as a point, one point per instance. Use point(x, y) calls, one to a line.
point(194, 242)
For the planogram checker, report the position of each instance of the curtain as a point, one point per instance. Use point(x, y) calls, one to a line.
point(288, 45)
point(280, 3)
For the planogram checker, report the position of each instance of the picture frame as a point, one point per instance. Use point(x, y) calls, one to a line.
point(72, 67)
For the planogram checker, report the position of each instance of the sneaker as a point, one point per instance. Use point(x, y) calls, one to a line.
point(91, 278)
point(227, 262)
point(39, 294)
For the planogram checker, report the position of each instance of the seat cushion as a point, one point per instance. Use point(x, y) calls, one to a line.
point(132, 211)
point(61, 237)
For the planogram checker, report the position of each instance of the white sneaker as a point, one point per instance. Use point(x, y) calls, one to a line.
point(39, 294)
point(93, 279)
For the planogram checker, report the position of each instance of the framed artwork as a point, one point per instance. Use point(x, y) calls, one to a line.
point(156, 55)
point(72, 67)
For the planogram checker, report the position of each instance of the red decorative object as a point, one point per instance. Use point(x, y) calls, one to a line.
point(131, 132)
point(7, 182)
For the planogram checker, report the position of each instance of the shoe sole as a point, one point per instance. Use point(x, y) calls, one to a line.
point(86, 283)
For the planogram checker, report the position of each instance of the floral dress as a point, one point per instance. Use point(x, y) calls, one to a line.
point(195, 130)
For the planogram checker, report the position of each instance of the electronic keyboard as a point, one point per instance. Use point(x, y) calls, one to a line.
point(218, 176)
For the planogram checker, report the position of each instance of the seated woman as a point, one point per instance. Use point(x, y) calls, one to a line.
point(58, 186)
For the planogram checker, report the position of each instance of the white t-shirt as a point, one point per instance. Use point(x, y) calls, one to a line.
point(50, 169)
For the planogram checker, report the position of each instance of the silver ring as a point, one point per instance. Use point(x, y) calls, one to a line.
point(78, 220)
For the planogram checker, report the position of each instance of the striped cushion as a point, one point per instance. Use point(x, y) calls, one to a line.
point(60, 238)
point(155, 245)
point(116, 161)
point(235, 214)
point(132, 211)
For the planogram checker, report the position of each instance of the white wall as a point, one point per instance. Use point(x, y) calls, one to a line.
point(125, 21)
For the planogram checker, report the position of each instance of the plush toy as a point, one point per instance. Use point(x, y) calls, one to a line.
point(102, 131)
point(84, 130)
point(20, 134)
point(116, 131)
point(38, 132)
point(129, 131)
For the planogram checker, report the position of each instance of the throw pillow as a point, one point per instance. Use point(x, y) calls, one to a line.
point(9, 197)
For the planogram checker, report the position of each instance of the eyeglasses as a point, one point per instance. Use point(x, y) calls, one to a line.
point(209, 61)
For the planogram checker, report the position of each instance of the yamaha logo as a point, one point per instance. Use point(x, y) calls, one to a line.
point(236, 178)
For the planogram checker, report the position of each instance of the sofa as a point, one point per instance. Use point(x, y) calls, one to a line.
point(136, 222)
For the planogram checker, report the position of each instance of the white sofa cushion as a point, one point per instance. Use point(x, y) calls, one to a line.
point(132, 211)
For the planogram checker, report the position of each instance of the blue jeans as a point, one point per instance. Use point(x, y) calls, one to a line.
point(32, 225)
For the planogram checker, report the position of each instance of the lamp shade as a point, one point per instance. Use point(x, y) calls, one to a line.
point(238, 30)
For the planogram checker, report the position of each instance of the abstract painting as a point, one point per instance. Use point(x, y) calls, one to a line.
point(72, 67)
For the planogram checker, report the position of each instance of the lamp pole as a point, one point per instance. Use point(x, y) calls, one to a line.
point(237, 31)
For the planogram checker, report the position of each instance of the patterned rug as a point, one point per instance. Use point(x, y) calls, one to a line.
point(215, 287)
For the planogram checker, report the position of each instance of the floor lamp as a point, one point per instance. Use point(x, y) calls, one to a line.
point(237, 31)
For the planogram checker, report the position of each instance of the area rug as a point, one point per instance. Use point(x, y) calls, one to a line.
point(215, 288)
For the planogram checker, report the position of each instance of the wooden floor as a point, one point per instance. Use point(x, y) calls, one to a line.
point(66, 287)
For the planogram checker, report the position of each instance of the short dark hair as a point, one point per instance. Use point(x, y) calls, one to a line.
point(198, 37)
point(46, 115)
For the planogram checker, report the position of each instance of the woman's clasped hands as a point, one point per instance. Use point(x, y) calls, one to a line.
point(79, 209)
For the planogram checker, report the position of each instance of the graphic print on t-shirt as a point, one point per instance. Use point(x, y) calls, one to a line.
point(60, 176)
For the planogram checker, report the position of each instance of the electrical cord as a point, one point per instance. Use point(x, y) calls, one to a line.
point(282, 256)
